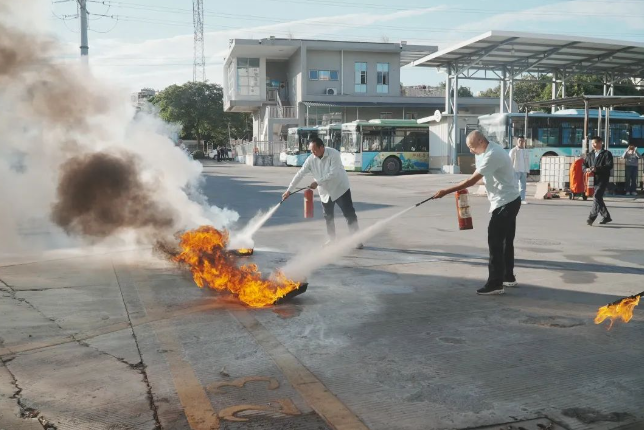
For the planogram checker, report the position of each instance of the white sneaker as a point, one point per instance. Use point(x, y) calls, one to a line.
point(524, 202)
point(633, 193)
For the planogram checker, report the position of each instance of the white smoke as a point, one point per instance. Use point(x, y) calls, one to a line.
point(306, 263)
point(53, 112)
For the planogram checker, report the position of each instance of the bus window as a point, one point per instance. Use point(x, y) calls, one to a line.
point(417, 141)
point(350, 142)
point(547, 136)
point(619, 135)
point(637, 131)
point(387, 139)
point(497, 132)
point(398, 144)
point(371, 139)
point(572, 134)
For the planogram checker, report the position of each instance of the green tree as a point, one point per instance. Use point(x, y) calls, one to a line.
point(462, 91)
point(198, 107)
point(540, 89)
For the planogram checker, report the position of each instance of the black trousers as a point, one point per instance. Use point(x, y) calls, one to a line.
point(599, 207)
point(500, 240)
point(346, 205)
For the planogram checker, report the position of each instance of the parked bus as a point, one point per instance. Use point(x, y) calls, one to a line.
point(561, 133)
point(297, 145)
point(331, 135)
point(385, 145)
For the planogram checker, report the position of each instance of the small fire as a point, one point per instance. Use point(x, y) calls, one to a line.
point(620, 309)
point(204, 252)
point(245, 251)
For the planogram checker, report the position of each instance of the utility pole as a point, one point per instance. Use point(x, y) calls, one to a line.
point(83, 21)
point(199, 64)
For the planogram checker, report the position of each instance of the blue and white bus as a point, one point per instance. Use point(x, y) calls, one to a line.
point(561, 133)
point(331, 135)
point(297, 145)
point(390, 146)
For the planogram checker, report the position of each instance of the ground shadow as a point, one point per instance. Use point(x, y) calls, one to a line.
point(248, 197)
point(563, 266)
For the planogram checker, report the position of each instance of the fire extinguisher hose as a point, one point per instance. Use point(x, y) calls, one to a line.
point(424, 201)
point(294, 192)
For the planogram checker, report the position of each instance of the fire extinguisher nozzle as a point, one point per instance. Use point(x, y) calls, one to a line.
point(424, 201)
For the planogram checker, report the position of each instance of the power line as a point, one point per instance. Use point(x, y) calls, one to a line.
point(354, 4)
point(164, 9)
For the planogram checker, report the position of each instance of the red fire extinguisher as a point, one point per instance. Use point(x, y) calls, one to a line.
point(308, 203)
point(590, 183)
point(463, 211)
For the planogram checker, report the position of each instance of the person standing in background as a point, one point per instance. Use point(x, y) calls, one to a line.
point(631, 159)
point(521, 163)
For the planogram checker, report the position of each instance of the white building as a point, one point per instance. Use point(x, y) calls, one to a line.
point(290, 82)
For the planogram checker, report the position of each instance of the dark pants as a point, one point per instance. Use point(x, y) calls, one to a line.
point(631, 179)
point(599, 207)
point(500, 239)
point(346, 205)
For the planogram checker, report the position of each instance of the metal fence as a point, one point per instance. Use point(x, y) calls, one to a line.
point(259, 147)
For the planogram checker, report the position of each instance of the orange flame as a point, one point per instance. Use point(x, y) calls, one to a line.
point(622, 309)
point(203, 251)
point(244, 251)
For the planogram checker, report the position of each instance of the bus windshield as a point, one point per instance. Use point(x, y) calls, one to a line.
point(293, 143)
point(350, 141)
point(495, 128)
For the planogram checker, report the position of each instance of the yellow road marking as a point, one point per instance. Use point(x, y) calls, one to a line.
point(329, 407)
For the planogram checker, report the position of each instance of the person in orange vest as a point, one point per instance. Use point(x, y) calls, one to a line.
point(332, 183)
point(600, 162)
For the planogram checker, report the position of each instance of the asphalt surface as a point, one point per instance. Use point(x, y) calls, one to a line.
point(389, 337)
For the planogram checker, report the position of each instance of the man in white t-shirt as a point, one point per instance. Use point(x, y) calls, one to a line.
point(521, 163)
point(493, 164)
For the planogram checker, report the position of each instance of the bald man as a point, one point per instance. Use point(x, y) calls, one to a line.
point(494, 164)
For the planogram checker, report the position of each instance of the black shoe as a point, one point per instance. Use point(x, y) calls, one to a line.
point(510, 281)
point(606, 220)
point(590, 221)
point(489, 290)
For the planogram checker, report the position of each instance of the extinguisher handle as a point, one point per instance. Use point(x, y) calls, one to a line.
point(293, 192)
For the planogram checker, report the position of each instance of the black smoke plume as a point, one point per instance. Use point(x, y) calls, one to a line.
point(100, 194)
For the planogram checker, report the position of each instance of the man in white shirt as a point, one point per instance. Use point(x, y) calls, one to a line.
point(493, 164)
point(521, 163)
point(332, 183)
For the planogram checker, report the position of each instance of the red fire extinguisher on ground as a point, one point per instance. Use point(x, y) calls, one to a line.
point(308, 203)
point(463, 211)
point(589, 179)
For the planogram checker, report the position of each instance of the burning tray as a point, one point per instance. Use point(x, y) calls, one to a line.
point(300, 290)
point(243, 252)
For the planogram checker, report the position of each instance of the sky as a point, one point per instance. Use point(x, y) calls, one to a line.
point(149, 43)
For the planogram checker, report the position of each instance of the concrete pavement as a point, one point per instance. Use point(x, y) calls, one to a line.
point(389, 337)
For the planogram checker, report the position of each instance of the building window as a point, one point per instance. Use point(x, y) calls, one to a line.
point(323, 75)
point(231, 80)
point(383, 78)
point(248, 76)
point(386, 115)
point(411, 115)
point(361, 78)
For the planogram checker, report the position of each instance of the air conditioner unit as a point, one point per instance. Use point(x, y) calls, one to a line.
point(331, 91)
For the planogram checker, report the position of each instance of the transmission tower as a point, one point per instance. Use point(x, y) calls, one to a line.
point(199, 65)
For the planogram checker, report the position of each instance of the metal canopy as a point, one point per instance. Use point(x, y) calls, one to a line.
point(590, 101)
point(517, 53)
